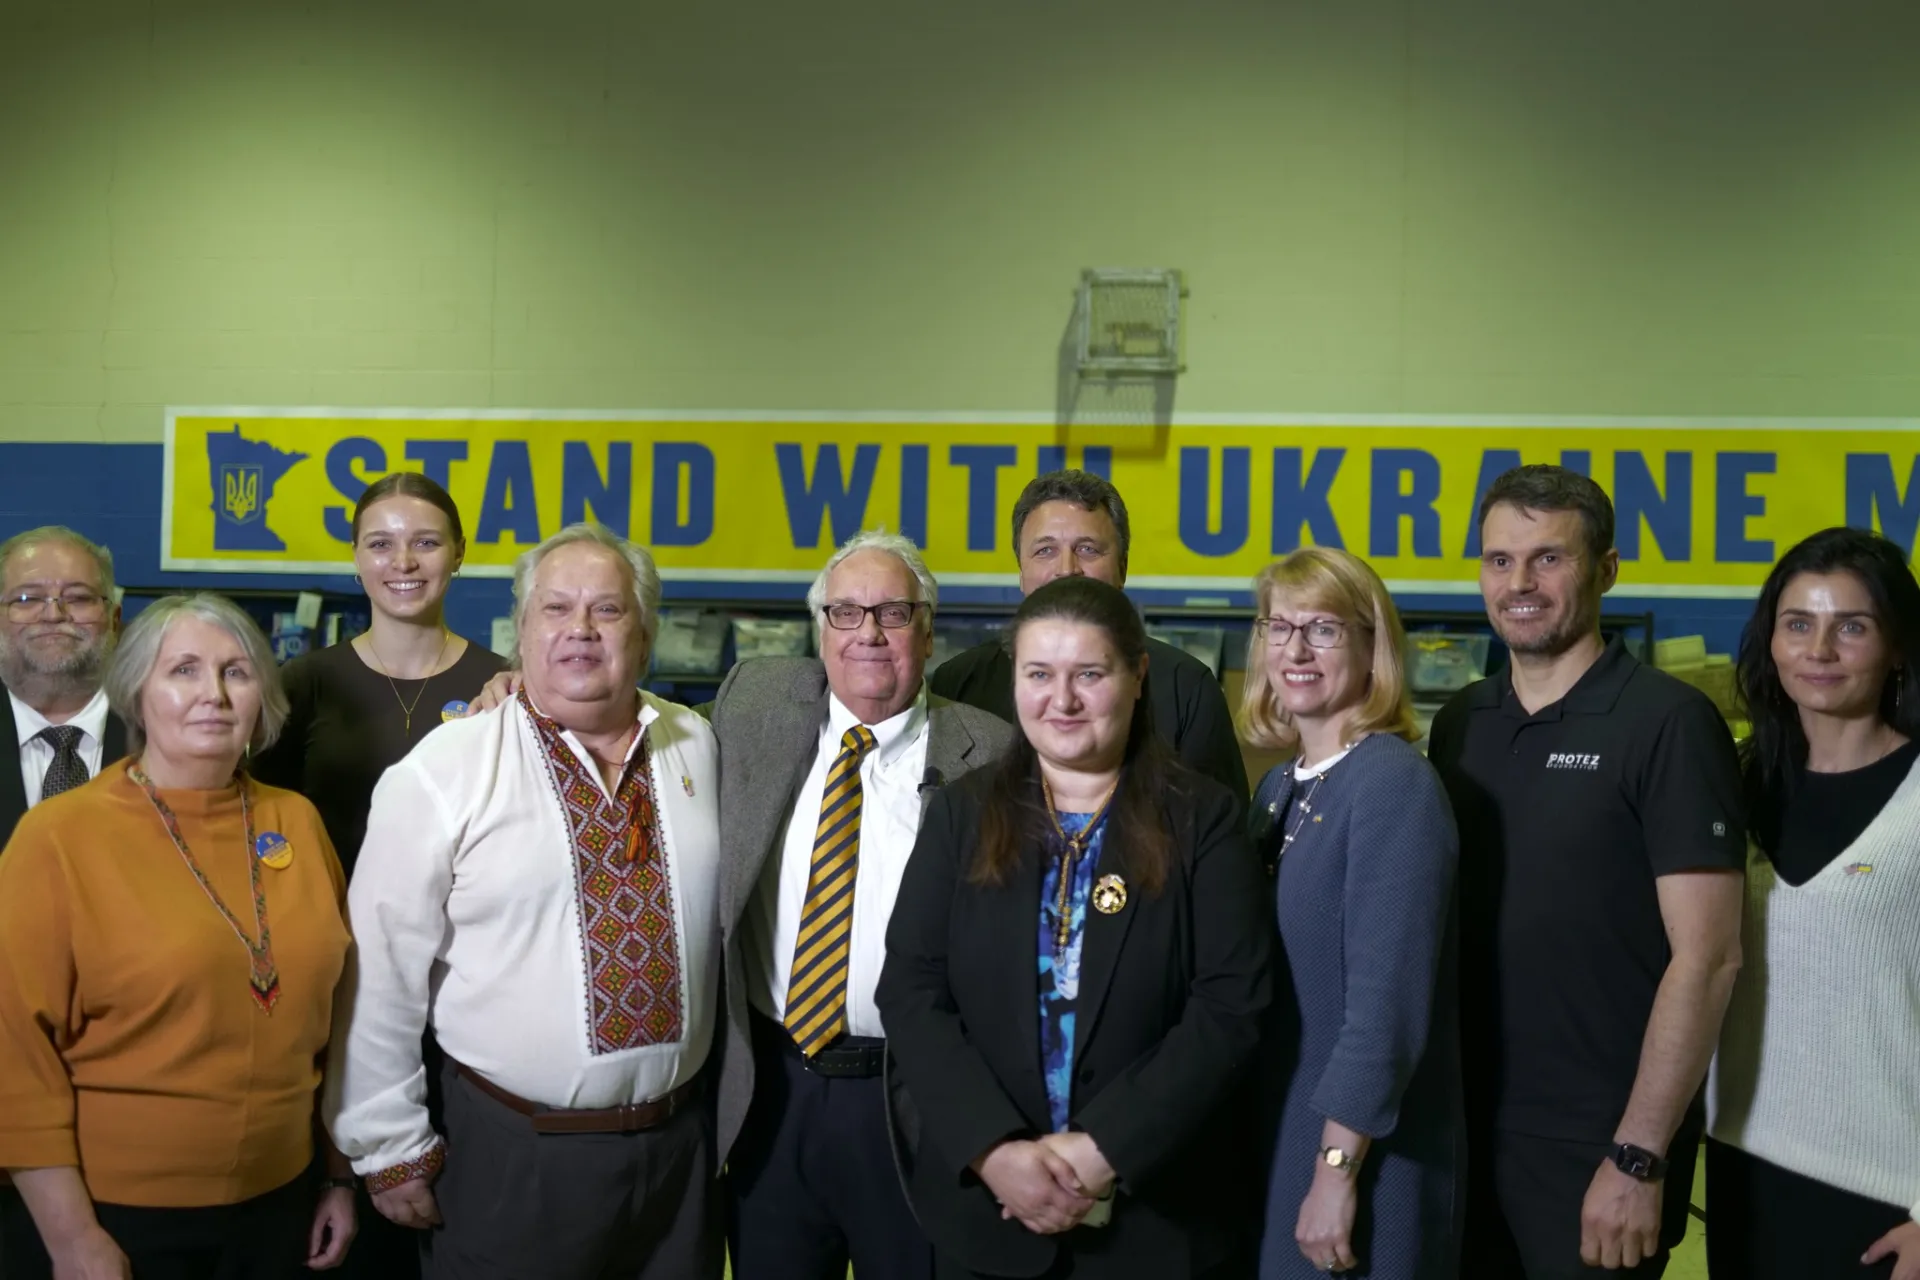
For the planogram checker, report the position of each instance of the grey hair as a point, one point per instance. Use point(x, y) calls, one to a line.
point(139, 650)
point(31, 538)
point(639, 563)
point(898, 546)
point(1083, 489)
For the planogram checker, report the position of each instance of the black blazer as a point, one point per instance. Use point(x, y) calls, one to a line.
point(1172, 992)
point(13, 789)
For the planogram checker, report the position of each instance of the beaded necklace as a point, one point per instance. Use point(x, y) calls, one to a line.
point(1072, 846)
point(263, 978)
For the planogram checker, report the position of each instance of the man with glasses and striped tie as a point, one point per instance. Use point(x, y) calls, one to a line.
point(55, 638)
point(826, 766)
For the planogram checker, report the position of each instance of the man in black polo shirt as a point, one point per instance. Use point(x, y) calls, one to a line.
point(1074, 523)
point(1602, 842)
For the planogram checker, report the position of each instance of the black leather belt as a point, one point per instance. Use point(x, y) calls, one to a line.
point(847, 1058)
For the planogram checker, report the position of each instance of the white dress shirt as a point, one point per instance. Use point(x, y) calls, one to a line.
point(36, 753)
point(890, 778)
point(466, 915)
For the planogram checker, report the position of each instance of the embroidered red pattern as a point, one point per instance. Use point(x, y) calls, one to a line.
point(625, 893)
point(427, 1166)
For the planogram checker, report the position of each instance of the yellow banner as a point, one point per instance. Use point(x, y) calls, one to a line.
point(1704, 507)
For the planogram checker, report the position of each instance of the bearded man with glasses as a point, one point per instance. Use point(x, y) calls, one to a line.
point(55, 638)
point(826, 767)
point(56, 635)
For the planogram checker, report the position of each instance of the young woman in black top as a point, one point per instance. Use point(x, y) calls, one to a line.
point(359, 706)
point(1813, 1170)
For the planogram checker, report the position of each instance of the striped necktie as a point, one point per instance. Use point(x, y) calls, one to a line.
point(817, 986)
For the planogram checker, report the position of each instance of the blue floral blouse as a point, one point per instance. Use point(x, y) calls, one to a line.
point(1060, 966)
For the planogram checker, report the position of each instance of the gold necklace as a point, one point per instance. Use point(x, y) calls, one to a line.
point(1074, 846)
point(406, 710)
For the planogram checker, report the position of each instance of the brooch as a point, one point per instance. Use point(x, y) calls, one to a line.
point(1109, 895)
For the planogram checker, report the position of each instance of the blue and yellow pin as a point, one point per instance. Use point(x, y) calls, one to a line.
point(273, 850)
point(455, 710)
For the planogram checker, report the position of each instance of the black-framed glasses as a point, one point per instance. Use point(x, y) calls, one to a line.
point(81, 606)
point(1321, 633)
point(891, 614)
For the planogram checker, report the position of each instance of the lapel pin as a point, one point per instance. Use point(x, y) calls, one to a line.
point(686, 783)
point(273, 850)
point(1109, 895)
point(1859, 868)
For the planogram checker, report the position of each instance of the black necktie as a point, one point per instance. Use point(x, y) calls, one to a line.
point(68, 770)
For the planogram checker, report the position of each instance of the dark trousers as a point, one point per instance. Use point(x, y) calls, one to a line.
point(1524, 1197)
point(382, 1250)
point(1768, 1223)
point(1068, 1267)
point(812, 1177)
point(264, 1238)
point(518, 1205)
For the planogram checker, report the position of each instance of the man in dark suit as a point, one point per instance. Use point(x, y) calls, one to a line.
point(56, 634)
point(1074, 523)
point(826, 767)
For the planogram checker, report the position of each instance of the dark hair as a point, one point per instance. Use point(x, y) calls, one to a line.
point(1543, 487)
point(1083, 489)
point(1014, 814)
point(1776, 749)
point(409, 484)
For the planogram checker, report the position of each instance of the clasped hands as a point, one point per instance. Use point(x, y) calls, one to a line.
point(1047, 1184)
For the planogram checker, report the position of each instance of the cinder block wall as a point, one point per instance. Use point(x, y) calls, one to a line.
point(1460, 206)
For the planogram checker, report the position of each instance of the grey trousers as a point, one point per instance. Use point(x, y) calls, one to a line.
point(518, 1205)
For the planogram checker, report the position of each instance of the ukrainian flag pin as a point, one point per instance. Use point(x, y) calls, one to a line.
point(273, 850)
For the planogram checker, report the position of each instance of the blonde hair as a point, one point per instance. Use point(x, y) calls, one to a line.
point(1347, 587)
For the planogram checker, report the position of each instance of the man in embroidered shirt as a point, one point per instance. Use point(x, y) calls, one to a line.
point(829, 764)
point(538, 887)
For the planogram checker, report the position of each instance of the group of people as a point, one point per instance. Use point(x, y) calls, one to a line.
point(413, 961)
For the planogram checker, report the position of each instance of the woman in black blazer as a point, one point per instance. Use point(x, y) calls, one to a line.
point(1077, 967)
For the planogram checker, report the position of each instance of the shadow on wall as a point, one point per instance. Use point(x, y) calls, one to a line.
point(1127, 414)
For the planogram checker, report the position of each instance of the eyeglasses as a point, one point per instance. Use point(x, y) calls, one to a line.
point(891, 614)
point(81, 606)
point(1321, 633)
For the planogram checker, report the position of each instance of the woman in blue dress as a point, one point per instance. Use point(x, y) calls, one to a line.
point(1367, 1169)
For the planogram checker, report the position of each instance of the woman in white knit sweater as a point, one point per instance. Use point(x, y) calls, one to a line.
point(1813, 1163)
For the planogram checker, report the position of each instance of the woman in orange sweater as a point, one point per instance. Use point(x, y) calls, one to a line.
point(171, 935)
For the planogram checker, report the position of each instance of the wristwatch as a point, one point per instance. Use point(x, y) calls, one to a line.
point(1339, 1161)
point(1639, 1163)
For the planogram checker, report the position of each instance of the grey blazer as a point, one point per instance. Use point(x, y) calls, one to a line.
point(767, 717)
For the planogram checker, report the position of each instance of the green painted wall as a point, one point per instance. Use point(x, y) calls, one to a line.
point(1457, 206)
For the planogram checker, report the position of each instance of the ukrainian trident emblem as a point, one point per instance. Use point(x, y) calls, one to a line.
point(240, 493)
